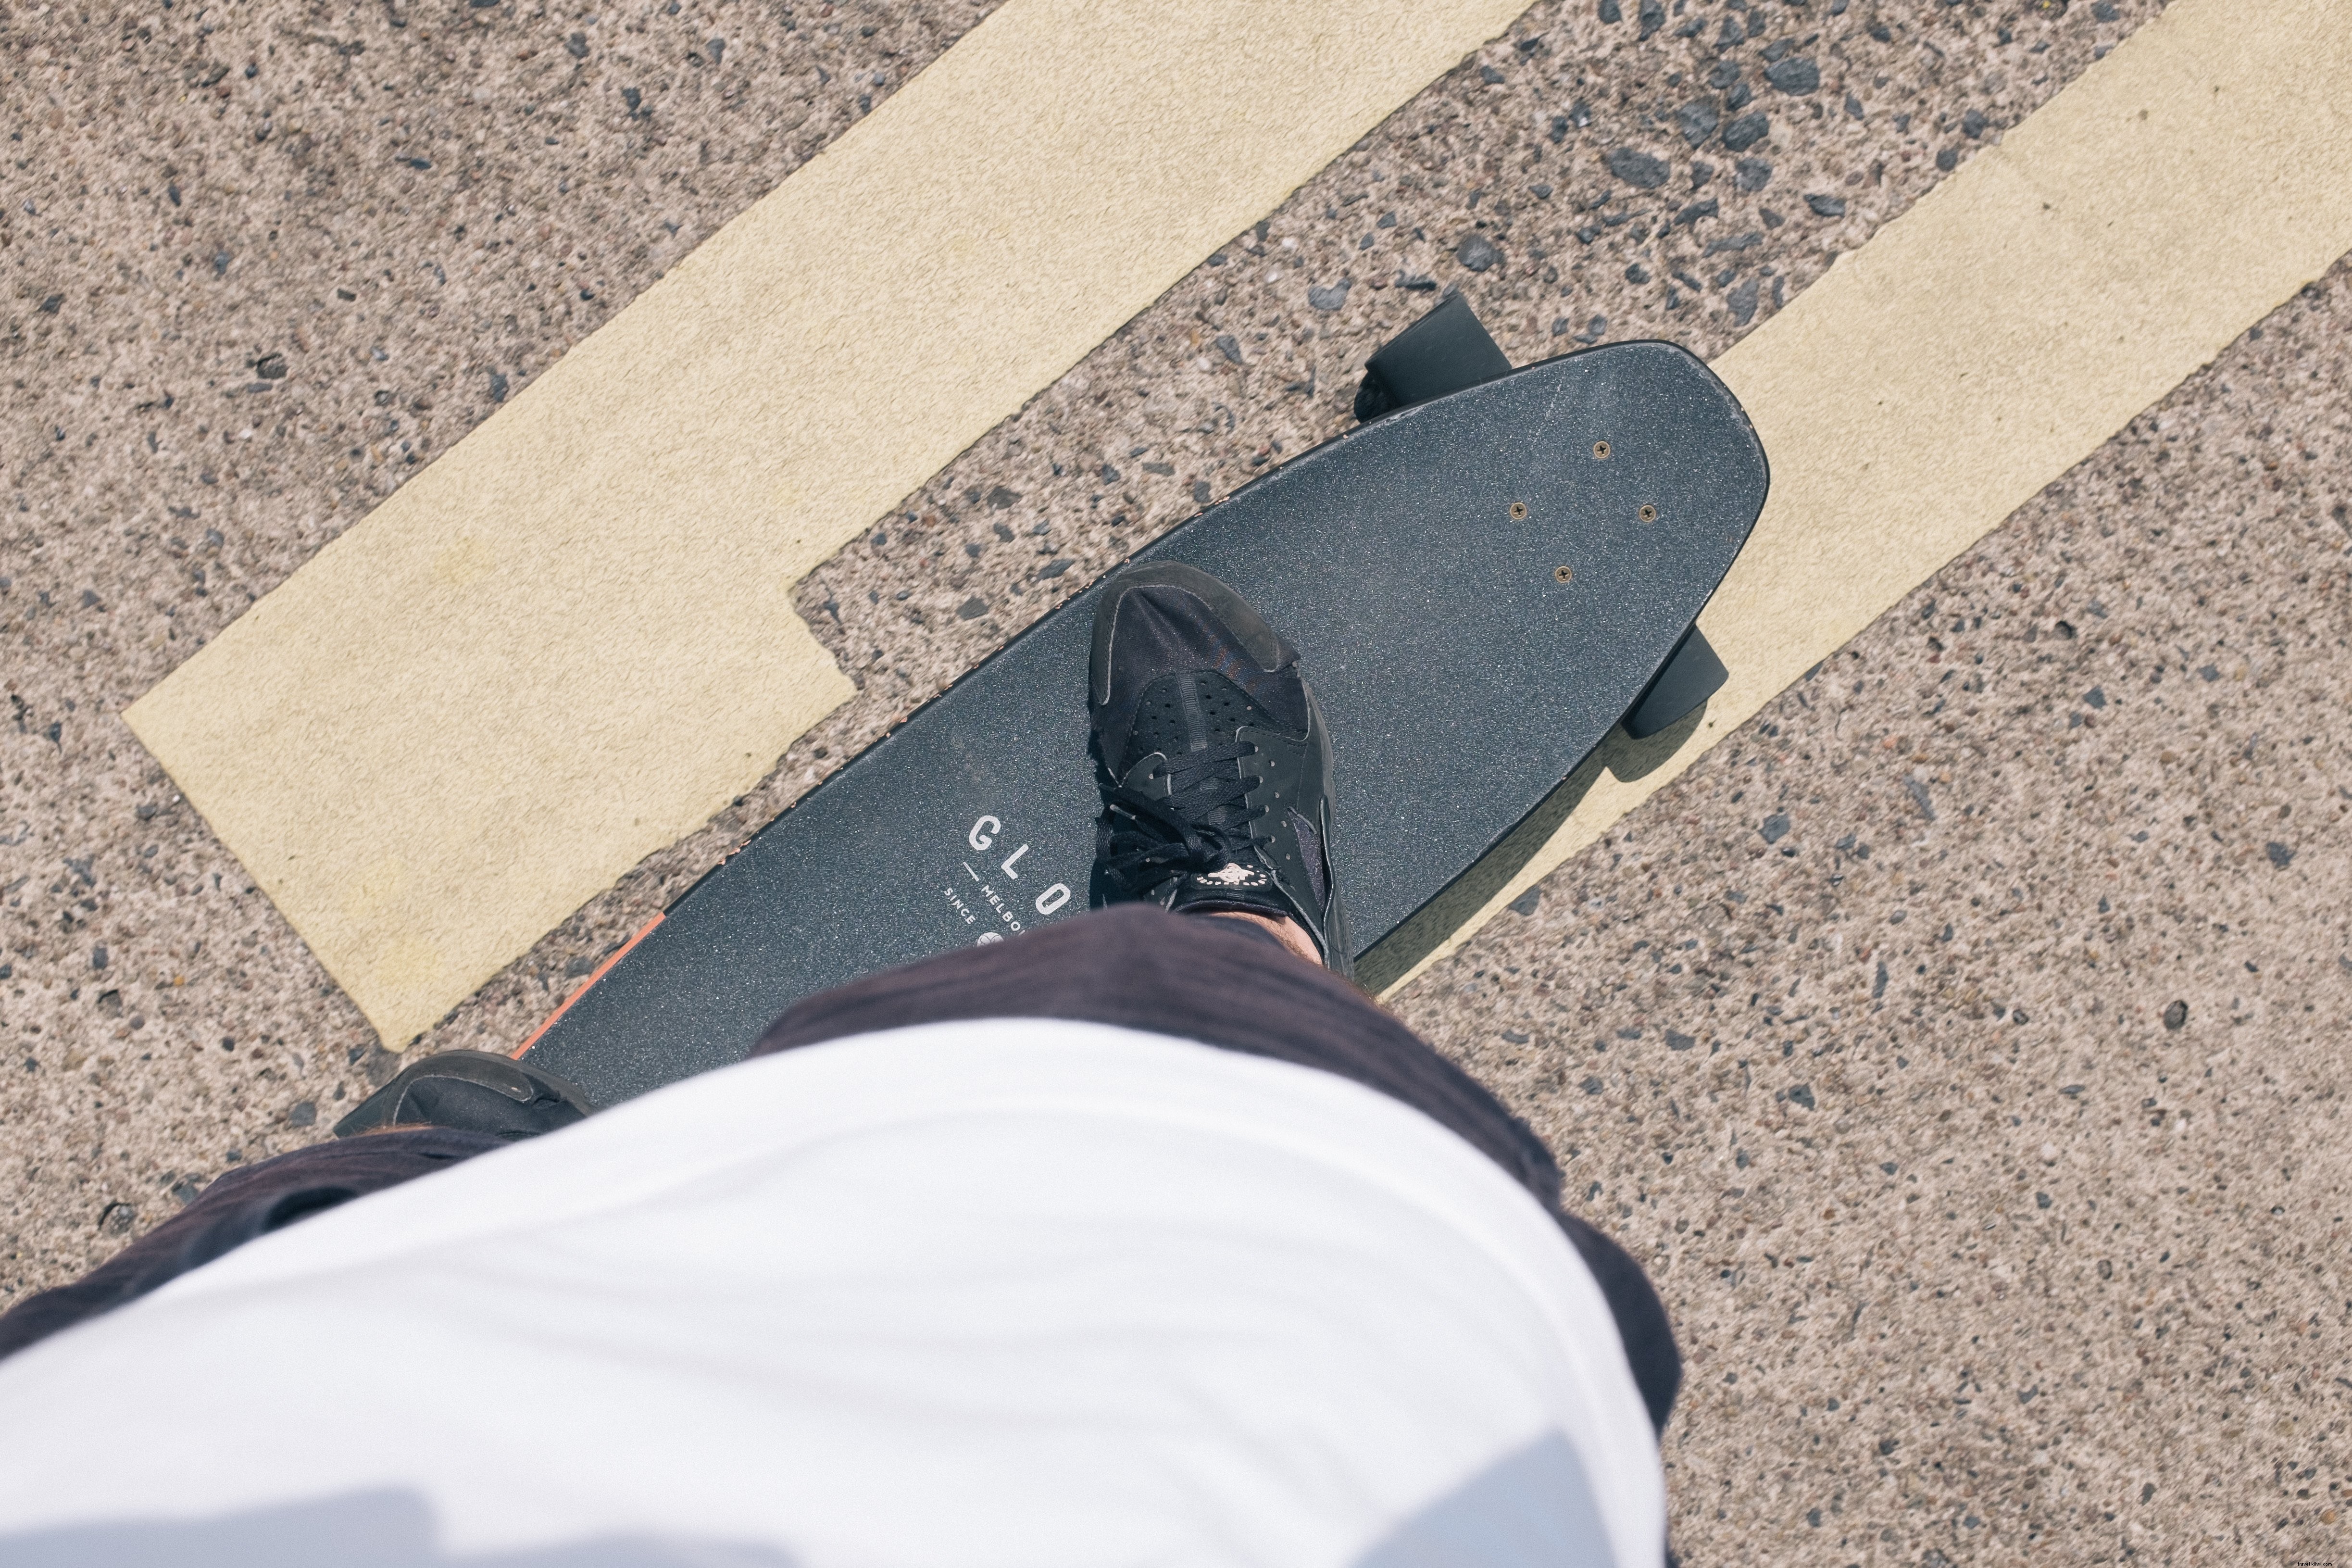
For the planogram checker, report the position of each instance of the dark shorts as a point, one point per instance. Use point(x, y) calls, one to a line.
point(1224, 983)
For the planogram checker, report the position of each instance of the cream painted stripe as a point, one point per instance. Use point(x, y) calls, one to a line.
point(571, 639)
point(2002, 330)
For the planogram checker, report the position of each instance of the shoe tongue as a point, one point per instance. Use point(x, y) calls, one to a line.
point(1165, 628)
point(1191, 711)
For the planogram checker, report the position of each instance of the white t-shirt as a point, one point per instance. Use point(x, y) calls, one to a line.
point(1017, 1292)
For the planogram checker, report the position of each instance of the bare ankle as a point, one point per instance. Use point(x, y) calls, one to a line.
point(1291, 934)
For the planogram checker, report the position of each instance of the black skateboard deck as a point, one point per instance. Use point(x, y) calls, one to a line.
point(1482, 580)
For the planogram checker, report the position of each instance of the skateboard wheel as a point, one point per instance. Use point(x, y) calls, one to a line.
point(1600, 451)
point(1649, 514)
point(1519, 511)
point(1563, 575)
point(1446, 351)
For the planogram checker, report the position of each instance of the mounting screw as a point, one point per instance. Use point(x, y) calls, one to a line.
point(1563, 575)
point(1519, 511)
point(1600, 451)
point(1649, 514)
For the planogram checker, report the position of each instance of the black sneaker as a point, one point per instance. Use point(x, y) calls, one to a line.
point(470, 1091)
point(1215, 762)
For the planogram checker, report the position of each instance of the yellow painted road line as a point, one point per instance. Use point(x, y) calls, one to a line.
point(2001, 331)
point(572, 638)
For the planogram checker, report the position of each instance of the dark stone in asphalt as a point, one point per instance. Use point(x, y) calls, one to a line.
point(1332, 297)
point(1526, 903)
point(2096, 697)
point(1751, 174)
point(1653, 16)
point(1725, 73)
point(971, 609)
point(1972, 124)
point(1742, 301)
point(1827, 207)
point(1639, 169)
point(1949, 159)
point(1001, 498)
point(1802, 1094)
point(1695, 211)
point(1698, 119)
point(1637, 273)
point(2175, 1015)
point(1747, 131)
point(1230, 347)
point(1774, 827)
point(2280, 856)
point(1794, 75)
point(1476, 252)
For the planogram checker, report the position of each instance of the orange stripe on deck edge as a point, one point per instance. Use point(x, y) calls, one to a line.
point(601, 970)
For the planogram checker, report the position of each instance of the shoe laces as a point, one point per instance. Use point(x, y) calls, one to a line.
point(1203, 822)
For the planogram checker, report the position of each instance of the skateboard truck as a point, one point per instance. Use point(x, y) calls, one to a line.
point(1447, 350)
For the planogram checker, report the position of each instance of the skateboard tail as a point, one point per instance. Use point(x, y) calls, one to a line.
point(601, 970)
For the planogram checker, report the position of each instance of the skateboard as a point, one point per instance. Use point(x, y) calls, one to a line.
point(1485, 576)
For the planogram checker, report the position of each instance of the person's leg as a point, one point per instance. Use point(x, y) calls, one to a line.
point(246, 1203)
point(437, 1111)
point(1237, 986)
